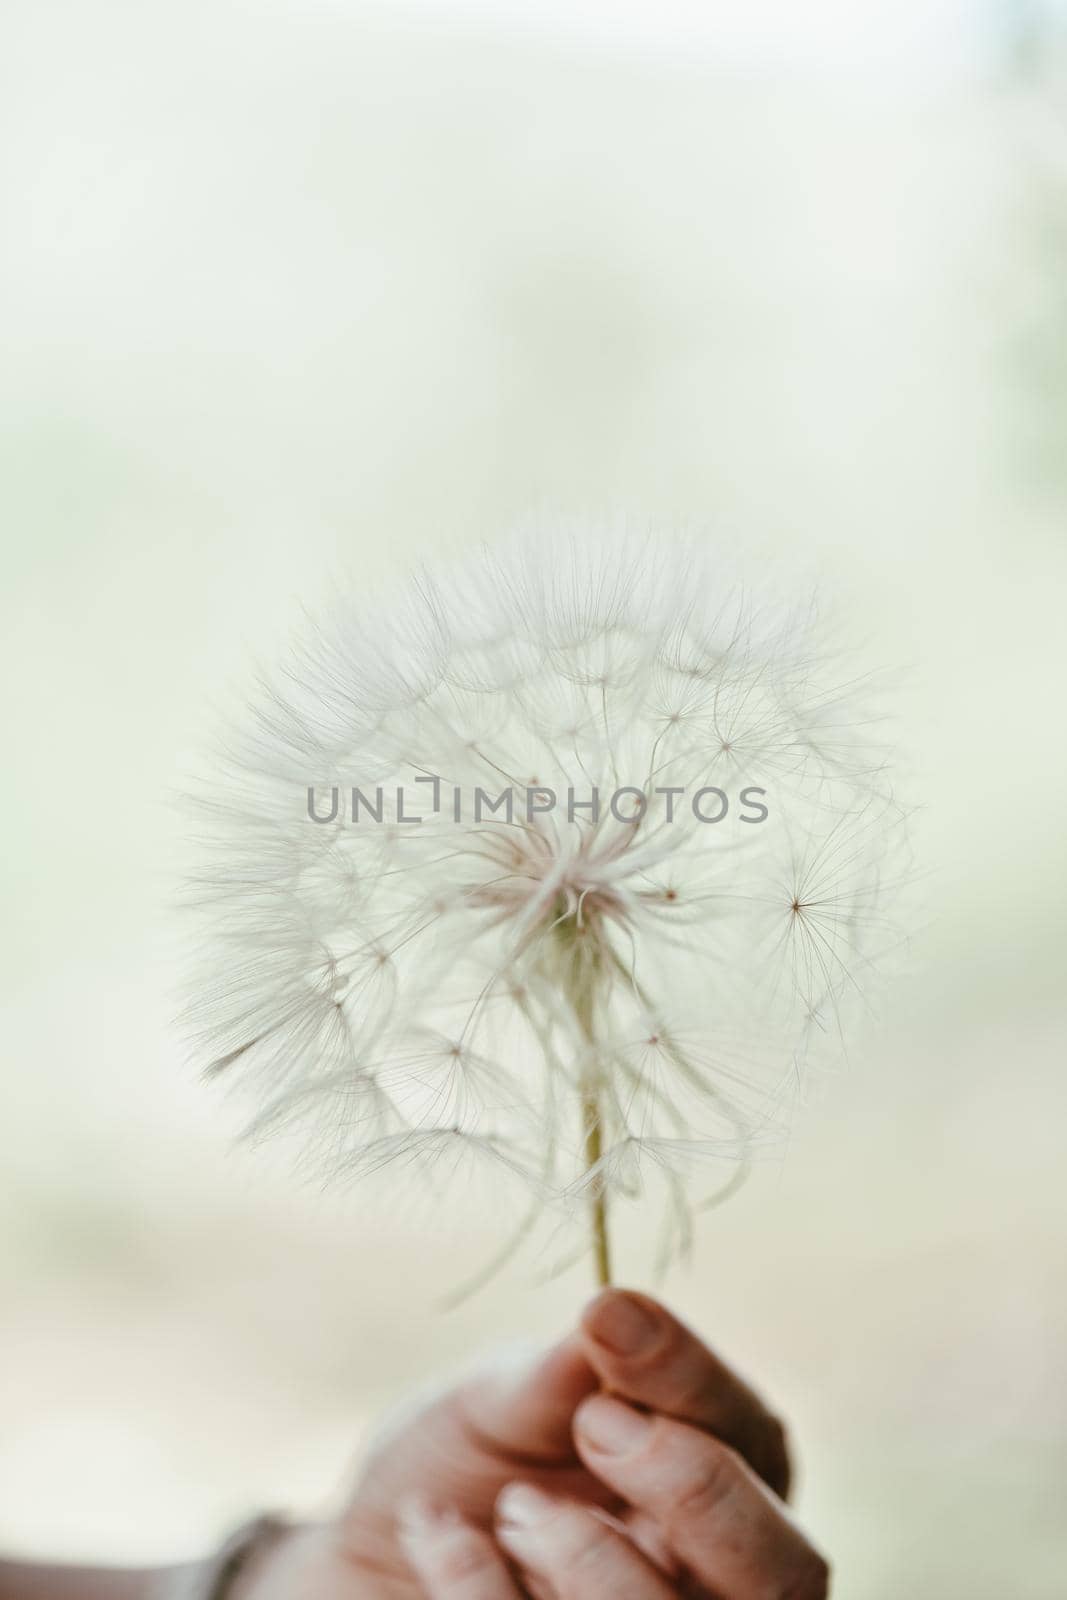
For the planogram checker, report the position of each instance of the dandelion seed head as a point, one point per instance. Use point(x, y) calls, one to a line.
point(411, 976)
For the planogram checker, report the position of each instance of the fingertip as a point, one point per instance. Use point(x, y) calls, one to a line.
point(451, 1555)
point(523, 1505)
point(569, 1547)
point(625, 1323)
point(611, 1427)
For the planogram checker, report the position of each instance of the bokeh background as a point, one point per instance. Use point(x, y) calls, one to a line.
point(294, 287)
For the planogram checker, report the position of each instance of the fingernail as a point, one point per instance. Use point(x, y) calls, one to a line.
point(623, 1324)
point(610, 1426)
point(523, 1506)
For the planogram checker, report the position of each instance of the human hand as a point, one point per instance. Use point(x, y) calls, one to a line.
point(627, 1459)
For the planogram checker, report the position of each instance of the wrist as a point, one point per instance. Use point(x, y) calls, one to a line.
point(301, 1560)
point(252, 1574)
point(228, 1574)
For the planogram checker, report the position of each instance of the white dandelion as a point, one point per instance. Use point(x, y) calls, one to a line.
point(569, 860)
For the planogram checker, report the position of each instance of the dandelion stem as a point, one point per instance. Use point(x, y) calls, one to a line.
point(594, 1139)
point(593, 1151)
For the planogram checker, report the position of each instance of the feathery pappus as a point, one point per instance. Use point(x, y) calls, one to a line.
point(568, 859)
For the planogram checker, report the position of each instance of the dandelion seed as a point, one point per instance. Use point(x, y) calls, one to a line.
point(482, 877)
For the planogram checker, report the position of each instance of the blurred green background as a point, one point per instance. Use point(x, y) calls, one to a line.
point(303, 286)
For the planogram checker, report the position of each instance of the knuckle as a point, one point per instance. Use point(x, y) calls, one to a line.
point(708, 1485)
point(590, 1545)
point(579, 1557)
point(593, 1573)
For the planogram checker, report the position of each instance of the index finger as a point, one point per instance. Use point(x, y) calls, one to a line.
point(642, 1353)
point(719, 1520)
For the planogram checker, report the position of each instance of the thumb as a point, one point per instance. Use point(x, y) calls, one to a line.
point(527, 1410)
